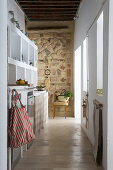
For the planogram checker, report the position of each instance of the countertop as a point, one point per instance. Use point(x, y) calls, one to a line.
point(27, 89)
point(37, 93)
point(21, 88)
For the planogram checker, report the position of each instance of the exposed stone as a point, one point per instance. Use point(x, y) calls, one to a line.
point(68, 43)
point(68, 84)
point(69, 80)
point(69, 60)
point(63, 79)
point(63, 55)
point(55, 53)
point(53, 72)
point(47, 51)
point(41, 35)
point(68, 65)
point(68, 72)
point(58, 72)
point(54, 79)
point(62, 67)
point(55, 64)
point(50, 48)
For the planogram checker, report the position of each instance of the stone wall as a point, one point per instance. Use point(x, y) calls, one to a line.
point(55, 65)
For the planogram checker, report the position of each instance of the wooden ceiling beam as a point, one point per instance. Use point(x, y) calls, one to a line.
point(48, 1)
point(49, 14)
point(51, 19)
point(49, 4)
point(49, 8)
point(46, 28)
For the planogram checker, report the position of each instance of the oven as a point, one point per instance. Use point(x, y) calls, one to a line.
point(30, 103)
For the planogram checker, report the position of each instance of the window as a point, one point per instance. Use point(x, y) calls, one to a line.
point(85, 59)
point(100, 55)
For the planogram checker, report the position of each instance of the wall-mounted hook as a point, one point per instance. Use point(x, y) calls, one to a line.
point(12, 13)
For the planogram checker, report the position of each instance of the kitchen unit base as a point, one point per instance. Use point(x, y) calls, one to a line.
point(41, 110)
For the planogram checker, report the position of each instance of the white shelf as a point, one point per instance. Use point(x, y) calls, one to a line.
point(19, 33)
point(15, 43)
point(25, 51)
point(21, 51)
point(31, 54)
point(11, 73)
point(21, 64)
point(20, 73)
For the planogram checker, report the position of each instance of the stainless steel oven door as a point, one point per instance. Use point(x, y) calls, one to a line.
point(30, 104)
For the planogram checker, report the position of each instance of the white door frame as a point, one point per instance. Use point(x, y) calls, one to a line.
point(77, 83)
point(3, 85)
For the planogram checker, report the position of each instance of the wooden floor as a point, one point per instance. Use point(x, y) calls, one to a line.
point(62, 145)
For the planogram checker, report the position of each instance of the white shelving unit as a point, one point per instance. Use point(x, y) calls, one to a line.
point(22, 57)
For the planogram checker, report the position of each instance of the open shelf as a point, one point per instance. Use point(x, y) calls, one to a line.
point(15, 46)
point(24, 51)
point(34, 78)
point(22, 57)
point(31, 55)
point(11, 74)
point(28, 75)
point(20, 73)
point(21, 64)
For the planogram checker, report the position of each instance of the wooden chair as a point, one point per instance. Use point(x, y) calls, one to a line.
point(60, 104)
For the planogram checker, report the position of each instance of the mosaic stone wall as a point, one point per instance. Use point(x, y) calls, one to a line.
point(55, 58)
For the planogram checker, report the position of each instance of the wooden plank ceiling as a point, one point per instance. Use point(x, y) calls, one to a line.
point(50, 10)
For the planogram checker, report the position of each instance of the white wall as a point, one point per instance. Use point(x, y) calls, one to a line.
point(110, 90)
point(88, 11)
point(3, 85)
point(18, 13)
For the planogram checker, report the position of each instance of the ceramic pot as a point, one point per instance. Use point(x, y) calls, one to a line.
point(62, 99)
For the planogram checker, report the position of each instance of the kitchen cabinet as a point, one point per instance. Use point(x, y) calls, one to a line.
point(41, 110)
point(38, 114)
point(16, 153)
point(45, 109)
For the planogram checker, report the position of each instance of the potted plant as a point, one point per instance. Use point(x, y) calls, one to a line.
point(64, 96)
point(41, 88)
point(68, 94)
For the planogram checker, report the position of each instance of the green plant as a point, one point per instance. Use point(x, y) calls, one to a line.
point(41, 86)
point(68, 94)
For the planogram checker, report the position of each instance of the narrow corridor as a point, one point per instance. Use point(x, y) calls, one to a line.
point(62, 145)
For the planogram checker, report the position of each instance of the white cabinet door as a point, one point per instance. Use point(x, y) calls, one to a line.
point(41, 111)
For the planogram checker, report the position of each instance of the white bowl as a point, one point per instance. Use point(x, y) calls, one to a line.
point(62, 99)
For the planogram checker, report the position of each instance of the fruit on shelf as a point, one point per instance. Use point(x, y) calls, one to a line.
point(17, 82)
point(20, 82)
